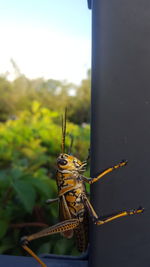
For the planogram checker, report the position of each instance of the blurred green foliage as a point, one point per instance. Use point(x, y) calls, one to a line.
point(30, 142)
point(18, 95)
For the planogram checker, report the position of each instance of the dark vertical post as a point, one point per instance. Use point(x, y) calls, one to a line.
point(120, 129)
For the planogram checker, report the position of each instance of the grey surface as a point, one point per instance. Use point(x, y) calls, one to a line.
point(121, 130)
point(50, 261)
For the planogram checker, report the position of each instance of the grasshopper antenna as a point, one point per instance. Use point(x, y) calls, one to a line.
point(71, 144)
point(88, 156)
point(64, 118)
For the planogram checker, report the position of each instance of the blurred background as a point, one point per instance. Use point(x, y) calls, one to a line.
point(45, 56)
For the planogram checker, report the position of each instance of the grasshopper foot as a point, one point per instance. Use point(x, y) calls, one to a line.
point(24, 241)
point(136, 211)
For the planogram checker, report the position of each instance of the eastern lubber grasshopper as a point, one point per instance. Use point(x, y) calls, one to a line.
point(74, 205)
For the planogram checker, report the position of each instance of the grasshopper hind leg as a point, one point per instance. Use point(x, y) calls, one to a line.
point(102, 220)
point(54, 229)
point(24, 243)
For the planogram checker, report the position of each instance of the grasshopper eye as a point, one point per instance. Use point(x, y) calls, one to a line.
point(62, 161)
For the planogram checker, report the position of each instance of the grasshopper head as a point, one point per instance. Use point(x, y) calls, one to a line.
point(70, 163)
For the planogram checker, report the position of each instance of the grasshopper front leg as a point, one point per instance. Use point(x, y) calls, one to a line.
point(50, 201)
point(57, 228)
point(103, 173)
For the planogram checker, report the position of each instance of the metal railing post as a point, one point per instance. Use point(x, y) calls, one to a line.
point(120, 129)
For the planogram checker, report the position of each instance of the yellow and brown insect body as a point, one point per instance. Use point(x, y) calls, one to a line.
point(70, 191)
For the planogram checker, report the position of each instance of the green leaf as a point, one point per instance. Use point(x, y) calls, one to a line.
point(41, 186)
point(61, 245)
point(16, 173)
point(26, 194)
point(4, 178)
point(3, 228)
point(44, 248)
point(5, 247)
point(6, 243)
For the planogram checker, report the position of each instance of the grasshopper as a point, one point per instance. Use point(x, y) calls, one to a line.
point(74, 205)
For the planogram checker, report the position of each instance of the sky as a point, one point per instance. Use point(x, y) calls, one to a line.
point(46, 38)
